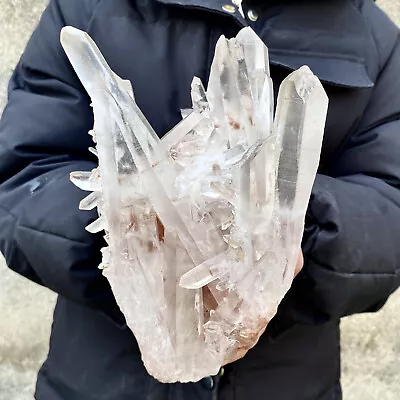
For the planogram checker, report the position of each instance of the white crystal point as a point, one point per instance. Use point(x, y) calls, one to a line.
point(255, 51)
point(75, 43)
point(178, 133)
point(185, 112)
point(90, 202)
point(106, 258)
point(92, 133)
point(97, 226)
point(96, 75)
point(199, 97)
point(304, 86)
point(94, 151)
point(88, 181)
point(78, 44)
point(203, 226)
point(127, 85)
point(206, 272)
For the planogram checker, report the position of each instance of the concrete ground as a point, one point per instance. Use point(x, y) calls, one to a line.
point(371, 343)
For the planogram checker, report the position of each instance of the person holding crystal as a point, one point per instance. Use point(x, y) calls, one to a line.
point(351, 255)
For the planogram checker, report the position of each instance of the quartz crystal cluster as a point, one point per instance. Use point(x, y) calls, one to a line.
point(203, 226)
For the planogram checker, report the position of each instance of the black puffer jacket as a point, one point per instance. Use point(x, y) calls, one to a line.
point(352, 236)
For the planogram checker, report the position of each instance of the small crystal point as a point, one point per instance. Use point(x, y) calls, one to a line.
point(94, 151)
point(106, 259)
point(199, 97)
point(177, 134)
point(90, 202)
point(204, 273)
point(255, 51)
point(185, 112)
point(97, 226)
point(88, 181)
point(126, 85)
point(92, 133)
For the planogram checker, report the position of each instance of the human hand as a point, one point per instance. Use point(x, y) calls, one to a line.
point(300, 263)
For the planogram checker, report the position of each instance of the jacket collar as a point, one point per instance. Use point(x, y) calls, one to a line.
point(222, 7)
point(331, 60)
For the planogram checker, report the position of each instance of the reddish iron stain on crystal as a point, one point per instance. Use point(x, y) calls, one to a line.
point(216, 169)
point(150, 246)
point(234, 124)
point(209, 303)
point(160, 229)
point(245, 342)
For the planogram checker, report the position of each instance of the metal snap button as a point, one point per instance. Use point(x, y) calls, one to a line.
point(252, 15)
point(228, 8)
point(208, 382)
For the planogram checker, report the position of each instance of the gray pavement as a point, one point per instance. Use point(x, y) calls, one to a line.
point(371, 343)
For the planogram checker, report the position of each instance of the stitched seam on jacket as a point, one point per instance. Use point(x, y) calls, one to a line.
point(349, 274)
point(392, 118)
point(9, 213)
point(314, 220)
point(367, 22)
point(91, 19)
point(394, 284)
point(376, 124)
point(382, 70)
point(22, 254)
point(17, 224)
point(52, 234)
point(316, 54)
point(347, 180)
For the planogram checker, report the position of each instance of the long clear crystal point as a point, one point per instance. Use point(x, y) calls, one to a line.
point(299, 124)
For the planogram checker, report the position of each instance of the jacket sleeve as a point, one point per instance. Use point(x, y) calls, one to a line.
point(352, 239)
point(43, 137)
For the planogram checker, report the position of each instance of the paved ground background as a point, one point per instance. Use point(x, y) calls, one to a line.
point(371, 343)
